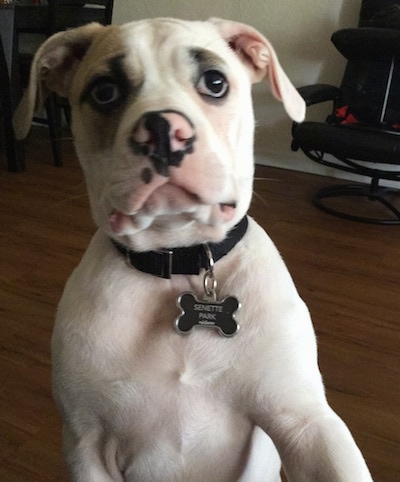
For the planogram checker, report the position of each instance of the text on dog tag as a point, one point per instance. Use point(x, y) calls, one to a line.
point(207, 313)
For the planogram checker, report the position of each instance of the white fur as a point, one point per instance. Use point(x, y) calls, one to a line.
point(140, 402)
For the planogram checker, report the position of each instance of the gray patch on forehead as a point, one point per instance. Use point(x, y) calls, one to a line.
point(204, 56)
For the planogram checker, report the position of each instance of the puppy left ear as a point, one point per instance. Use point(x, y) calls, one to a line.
point(258, 55)
point(52, 70)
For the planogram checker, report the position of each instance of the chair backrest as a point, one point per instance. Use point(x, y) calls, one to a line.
point(371, 82)
point(367, 89)
point(380, 13)
point(65, 14)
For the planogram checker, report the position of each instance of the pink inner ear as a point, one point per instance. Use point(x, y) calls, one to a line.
point(254, 53)
point(59, 66)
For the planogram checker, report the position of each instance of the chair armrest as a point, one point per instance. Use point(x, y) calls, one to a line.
point(315, 94)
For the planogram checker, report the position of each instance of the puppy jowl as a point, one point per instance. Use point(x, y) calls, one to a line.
point(163, 126)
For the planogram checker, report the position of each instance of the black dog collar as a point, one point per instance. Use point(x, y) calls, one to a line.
point(191, 260)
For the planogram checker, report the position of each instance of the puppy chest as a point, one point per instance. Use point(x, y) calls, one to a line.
point(180, 414)
point(176, 373)
point(163, 405)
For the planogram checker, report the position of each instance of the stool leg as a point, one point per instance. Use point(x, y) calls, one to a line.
point(14, 149)
point(53, 111)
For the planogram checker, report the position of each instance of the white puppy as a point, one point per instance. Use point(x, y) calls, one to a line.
point(151, 389)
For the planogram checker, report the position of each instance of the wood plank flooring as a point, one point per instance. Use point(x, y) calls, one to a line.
point(347, 272)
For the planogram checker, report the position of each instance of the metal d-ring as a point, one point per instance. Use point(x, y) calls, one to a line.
point(209, 281)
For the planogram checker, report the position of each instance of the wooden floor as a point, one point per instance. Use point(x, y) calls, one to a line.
point(348, 273)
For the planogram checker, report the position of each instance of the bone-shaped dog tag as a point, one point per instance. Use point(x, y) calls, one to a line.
point(207, 313)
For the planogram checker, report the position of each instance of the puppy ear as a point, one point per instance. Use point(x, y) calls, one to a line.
point(52, 70)
point(258, 55)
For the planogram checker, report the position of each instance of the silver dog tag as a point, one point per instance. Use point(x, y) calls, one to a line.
point(210, 312)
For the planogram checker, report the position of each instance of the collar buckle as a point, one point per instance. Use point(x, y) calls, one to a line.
point(161, 265)
point(165, 265)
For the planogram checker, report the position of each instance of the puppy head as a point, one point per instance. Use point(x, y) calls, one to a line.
point(162, 122)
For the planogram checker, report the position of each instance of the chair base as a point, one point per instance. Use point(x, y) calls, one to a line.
point(372, 193)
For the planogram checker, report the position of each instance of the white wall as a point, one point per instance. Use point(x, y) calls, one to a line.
point(300, 31)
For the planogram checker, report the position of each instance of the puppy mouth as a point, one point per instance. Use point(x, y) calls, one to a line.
point(168, 204)
point(170, 207)
point(228, 205)
point(228, 208)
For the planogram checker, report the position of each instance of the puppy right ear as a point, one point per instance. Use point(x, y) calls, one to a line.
point(259, 57)
point(52, 70)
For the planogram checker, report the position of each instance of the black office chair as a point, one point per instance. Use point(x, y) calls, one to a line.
point(362, 134)
point(63, 15)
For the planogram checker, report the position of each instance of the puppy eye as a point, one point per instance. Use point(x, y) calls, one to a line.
point(105, 92)
point(213, 84)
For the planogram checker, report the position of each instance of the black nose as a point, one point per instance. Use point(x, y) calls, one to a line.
point(165, 137)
